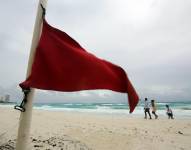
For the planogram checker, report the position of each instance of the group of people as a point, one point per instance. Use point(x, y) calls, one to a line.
point(153, 108)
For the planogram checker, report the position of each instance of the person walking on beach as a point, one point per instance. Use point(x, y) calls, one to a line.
point(169, 112)
point(147, 108)
point(153, 107)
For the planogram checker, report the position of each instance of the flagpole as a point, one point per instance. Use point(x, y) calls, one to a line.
point(22, 142)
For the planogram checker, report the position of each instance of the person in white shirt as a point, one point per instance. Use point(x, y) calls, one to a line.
point(147, 108)
point(169, 112)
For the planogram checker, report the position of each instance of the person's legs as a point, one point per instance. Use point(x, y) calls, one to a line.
point(149, 114)
point(171, 116)
point(154, 113)
point(168, 116)
point(145, 113)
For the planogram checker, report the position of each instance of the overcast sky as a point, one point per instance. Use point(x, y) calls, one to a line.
point(150, 39)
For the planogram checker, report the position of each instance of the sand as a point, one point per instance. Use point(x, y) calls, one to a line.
point(52, 130)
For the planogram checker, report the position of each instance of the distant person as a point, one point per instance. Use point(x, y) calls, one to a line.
point(147, 108)
point(169, 112)
point(154, 109)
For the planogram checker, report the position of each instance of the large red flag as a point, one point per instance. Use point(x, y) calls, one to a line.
point(61, 64)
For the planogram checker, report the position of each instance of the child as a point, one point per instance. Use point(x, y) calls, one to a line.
point(153, 107)
point(169, 112)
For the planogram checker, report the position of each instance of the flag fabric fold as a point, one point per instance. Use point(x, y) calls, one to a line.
point(61, 64)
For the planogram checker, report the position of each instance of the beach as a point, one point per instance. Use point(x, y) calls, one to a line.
point(64, 130)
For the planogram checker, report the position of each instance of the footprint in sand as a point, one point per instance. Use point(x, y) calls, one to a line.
point(62, 143)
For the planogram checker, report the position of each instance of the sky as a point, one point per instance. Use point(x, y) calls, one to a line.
point(150, 39)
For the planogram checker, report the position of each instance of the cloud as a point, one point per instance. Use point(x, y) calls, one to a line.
point(150, 39)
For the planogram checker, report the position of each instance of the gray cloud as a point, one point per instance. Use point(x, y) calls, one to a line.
point(149, 39)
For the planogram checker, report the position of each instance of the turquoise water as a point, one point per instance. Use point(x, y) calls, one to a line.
point(180, 109)
point(122, 106)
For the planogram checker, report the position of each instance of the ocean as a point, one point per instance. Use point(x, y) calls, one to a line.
point(180, 109)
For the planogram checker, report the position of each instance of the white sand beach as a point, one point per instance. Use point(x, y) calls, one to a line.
point(51, 130)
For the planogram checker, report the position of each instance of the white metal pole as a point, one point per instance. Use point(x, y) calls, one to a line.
point(22, 142)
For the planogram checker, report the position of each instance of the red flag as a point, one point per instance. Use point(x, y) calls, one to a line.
point(61, 64)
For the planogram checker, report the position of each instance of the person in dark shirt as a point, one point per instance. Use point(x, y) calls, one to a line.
point(169, 112)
